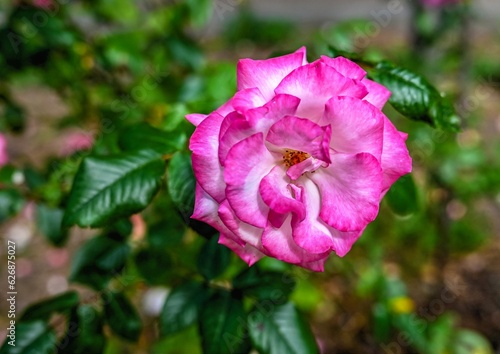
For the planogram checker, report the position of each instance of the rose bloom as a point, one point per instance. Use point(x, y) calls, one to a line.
point(295, 164)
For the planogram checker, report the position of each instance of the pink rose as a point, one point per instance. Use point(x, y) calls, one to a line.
point(4, 158)
point(295, 164)
point(76, 141)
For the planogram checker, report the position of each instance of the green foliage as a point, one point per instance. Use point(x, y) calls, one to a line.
point(107, 188)
point(182, 307)
point(128, 78)
point(414, 97)
point(121, 316)
point(222, 325)
point(98, 260)
point(280, 329)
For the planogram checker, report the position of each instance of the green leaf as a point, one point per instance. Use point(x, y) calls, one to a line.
point(97, 261)
point(49, 221)
point(84, 334)
point(182, 307)
point(439, 332)
point(280, 329)
point(44, 309)
point(121, 316)
point(222, 325)
point(149, 260)
point(414, 97)
point(143, 136)
point(107, 188)
point(30, 337)
point(181, 183)
point(264, 284)
point(213, 259)
point(402, 197)
point(11, 203)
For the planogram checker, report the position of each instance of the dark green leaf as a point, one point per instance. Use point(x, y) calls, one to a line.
point(181, 183)
point(414, 97)
point(213, 259)
point(98, 260)
point(44, 309)
point(84, 333)
point(264, 284)
point(30, 337)
point(381, 322)
point(15, 118)
point(49, 221)
point(33, 178)
point(182, 307)
point(280, 329)
point(402, 196)
point(121, 316)
point(143, 136)
point(107, 188)
point(153, 264)
point(223, 327)
point(11, 203)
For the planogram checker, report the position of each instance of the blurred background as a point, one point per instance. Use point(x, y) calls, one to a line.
point(425, 276)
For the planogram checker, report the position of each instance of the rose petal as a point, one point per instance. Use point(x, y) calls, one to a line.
point(396, 160)
point(309, 165)
point(312, 233)
point(278, 243)
point(246, 165)
point(315, 84)
point(267, 74)
point(248, 253)
point(196, 118)
point(243, 232)
point(204, 144)
point(344, 66)
point(247, 99)
point(357, 126)
point(277, 193)
point(302, 135)
point(350, 191)
point(377, 94)
point(237, 127)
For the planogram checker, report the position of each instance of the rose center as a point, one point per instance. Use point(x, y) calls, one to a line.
point(293, 157)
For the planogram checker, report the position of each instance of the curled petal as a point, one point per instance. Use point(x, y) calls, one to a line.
point(315, 84)
point(243, 232)
point(350, 191)
point(302, 135)
point(278, 194)
point(247, 252)
point(267, 74)
point(204, 144)
point(279, 243)
point(247, 163)
point(357, 126)
point(308, 165)
point(247, 99)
